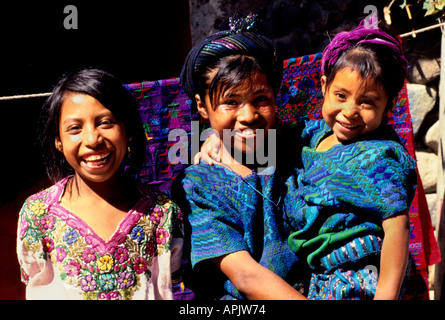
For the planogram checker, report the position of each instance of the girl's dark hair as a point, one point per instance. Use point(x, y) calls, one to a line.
point(372, 62)
point(110, 92)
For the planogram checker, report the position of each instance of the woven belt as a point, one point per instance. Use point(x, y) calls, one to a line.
point(352, 251)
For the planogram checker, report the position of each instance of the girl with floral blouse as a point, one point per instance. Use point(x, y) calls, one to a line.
point(96, 233)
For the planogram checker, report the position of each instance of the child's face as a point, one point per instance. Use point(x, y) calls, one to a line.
point(247, 107)
point(92, 140)
point(353, 106)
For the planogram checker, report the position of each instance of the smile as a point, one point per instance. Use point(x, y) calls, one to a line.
point(97, 160)
point(247, 133)
point(348, 126)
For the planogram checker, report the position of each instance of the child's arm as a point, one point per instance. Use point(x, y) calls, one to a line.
point(254, 281)
point(394, 257)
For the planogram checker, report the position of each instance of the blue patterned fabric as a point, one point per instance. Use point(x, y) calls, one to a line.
point(341, 285)
point(345, 192)
point(227, 214)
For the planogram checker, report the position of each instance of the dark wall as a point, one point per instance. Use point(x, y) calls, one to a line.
point(135, 40)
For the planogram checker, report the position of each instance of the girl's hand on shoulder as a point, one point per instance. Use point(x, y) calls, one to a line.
point(209, 152)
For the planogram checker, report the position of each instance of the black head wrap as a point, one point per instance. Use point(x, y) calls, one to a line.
point(239, 40)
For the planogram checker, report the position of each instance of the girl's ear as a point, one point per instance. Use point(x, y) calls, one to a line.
point(202, 109)
point(323, 84)
point(58, 144)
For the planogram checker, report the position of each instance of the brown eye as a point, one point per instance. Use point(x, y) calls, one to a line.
point(73, 129)
point(230, 102)
point(107, 123)
point(340, 96)
point(262, 99)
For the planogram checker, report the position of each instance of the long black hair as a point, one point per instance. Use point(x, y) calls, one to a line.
point(110, 92)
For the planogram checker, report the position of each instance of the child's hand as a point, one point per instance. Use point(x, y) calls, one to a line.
point(394, 256)
point(209, 151)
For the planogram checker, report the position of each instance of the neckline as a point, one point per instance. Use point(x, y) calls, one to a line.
point(122, 228)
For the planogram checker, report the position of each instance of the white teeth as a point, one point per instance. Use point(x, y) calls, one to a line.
point(247, 132)
point(97, 157)
point(348, 125)
point(97, 162)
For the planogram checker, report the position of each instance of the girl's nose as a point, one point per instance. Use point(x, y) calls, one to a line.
point(92, 137)
point(350, 110)
point(247, 113)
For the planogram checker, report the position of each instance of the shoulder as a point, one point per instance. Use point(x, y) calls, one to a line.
point(387, 162)
point(206, 177)
point(154, 198)
point(207, 189)
point(385, 149)
point(204, 169)
point(313, 131)
point(159, 208)
point(45, 198)
point(36, 220)
point(314, 125)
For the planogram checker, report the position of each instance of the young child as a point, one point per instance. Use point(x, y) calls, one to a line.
point(358, 180)
point(96, 233)
point(238, 234)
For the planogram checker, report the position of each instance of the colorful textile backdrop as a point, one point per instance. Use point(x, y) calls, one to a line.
point(164, 106)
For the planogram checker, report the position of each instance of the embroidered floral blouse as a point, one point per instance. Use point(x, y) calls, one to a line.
point(61, 257)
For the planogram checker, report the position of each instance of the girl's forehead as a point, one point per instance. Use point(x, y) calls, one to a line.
point(80, 104)
point(348, 74)
point(256, 82)
point(77, 98)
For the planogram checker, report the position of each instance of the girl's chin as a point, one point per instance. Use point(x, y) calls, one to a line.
point(246, 146)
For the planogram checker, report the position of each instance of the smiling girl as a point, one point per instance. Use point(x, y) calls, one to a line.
point(358, 180)
point(238, 235)
point(96, 233)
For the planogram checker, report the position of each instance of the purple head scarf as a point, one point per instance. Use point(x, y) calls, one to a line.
point(366, 32)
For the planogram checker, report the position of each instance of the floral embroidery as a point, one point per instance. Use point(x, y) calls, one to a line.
point(72, 269)
point(88, 283)
point(163, 200)
point(106, 282)
point(38, 208)
point(112, 274)
point(47, 243)
point(105, 263)
point(60, 254)
point(121, 255)
point(138, 233)
point(140, 265)
point(156, 215)
point(88, 255)
point(151, 248)
point(125, 280)
point(46, 223)
point(70, 236)
point(161, 236)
